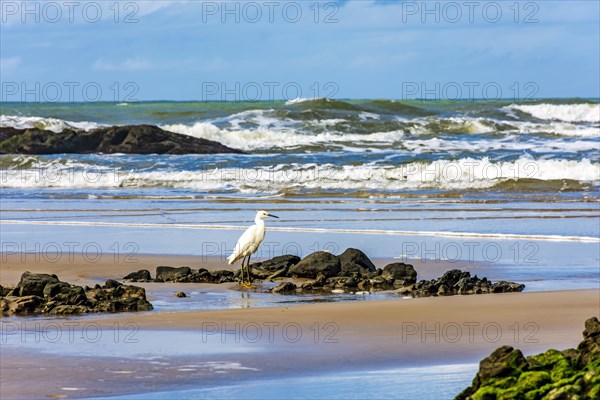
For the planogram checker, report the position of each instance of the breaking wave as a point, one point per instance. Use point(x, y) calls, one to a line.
point(51, 124)
point(462, 174)
point(562, 112)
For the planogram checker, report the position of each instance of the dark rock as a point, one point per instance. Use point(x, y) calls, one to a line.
point(143, 275)
point(364, 285)
point(589, 348)
point(61, 298)
point(33, 284)
point(377, 281)
point(222, 272)
point(570, 374)
point(592, 328)
point(52, 289)
point(7, 132)
point(455, 282)
point(201, 276)
point(571, 354)
point(284, 288)
point(399, 272)
point(320, 280)
point(319, 262)
point(259, 273)
point(350, 282)
point(5, 306)
point(70, 295)
point(276, 263)
point(133, 139)
point(4, 291)
point(171, 274)
point(354, 260)
point(69, 310)
point(222, 276)
point(123, 298)
point(308, 285)
point(506, 287)
point(111, 283)
point(180, 294)
point(504, 361)
point(21, 305)
point(279, 273)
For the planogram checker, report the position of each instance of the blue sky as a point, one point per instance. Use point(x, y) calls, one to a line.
point(195, 50)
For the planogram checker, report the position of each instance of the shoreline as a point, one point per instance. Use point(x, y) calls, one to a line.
point(295, 341)
point(370, 335)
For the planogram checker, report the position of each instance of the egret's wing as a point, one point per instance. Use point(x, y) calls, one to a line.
point(245, 242)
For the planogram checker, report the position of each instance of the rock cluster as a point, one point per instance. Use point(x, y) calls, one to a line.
point(182, 274)
point(351, 271)
point(46, 294)
point(458, 282)
point(132, 139)
point(567, 374)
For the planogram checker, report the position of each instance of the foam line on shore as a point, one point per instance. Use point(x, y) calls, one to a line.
point(501, 236)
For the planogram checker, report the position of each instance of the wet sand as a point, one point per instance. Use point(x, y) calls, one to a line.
point(301, 340)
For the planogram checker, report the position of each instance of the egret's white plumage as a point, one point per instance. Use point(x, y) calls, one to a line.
point(248, 243)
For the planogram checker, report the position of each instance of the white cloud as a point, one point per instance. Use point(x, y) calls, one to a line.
point(8, 64)
point(131, 64)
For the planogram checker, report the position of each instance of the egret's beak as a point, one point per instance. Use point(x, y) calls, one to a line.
point(271, 215)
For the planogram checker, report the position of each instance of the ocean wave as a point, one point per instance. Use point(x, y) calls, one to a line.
point(561, 112)
point(452, 125)
point(280, 138)
point(505, 144)
point(271, 135)
point(298, 100)
point(462, 174)
point(559, 129)
point(51, 124)
point(269, 130)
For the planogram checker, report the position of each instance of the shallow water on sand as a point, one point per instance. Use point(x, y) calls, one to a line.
point(439, 382)
point(541, 264)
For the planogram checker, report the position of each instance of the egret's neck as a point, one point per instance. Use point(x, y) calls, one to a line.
point(259, 221)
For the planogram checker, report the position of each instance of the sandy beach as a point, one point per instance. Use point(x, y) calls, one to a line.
point(254, 343)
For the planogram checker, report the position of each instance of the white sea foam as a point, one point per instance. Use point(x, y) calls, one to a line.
point(52, 124)
point(365, 116)
point(507, 143)
point(561, 112)
point(559, 128)
point(279, 137)
point(466, 173)
point(307, 229)
point(298, 100)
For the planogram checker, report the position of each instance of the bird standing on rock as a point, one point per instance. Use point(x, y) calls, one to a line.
point(248, 243)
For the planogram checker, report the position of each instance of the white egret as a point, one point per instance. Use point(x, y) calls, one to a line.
point(248, 243)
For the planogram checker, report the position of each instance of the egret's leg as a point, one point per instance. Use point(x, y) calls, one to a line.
point(242, 272)
point(248, 269)
point(245, 283)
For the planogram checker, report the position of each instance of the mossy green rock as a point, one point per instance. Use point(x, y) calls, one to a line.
point(552, 375)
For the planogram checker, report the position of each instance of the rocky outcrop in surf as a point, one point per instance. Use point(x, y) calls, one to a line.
point(350, 272)
point(567, 374)
point(46, 294)
point(131, 139)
